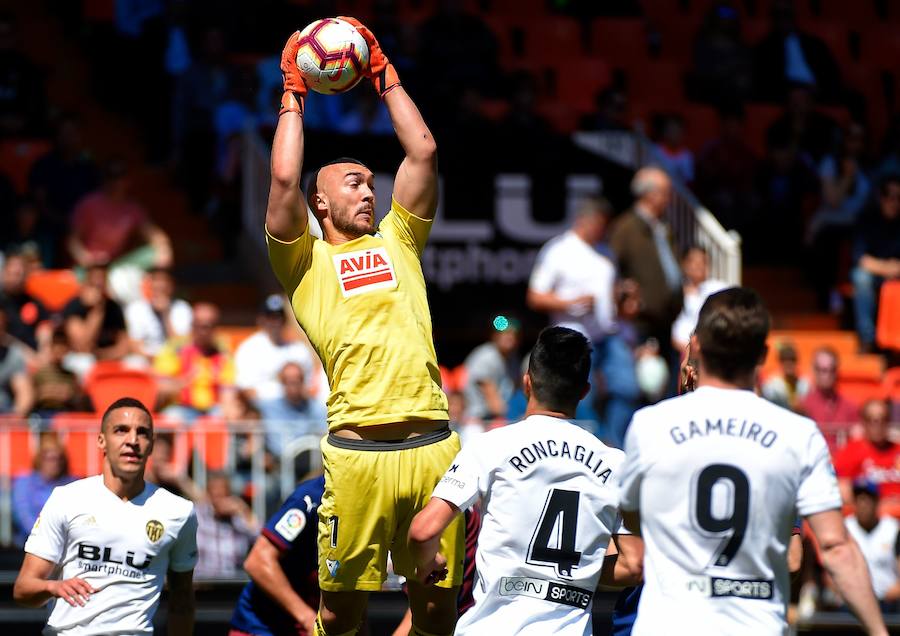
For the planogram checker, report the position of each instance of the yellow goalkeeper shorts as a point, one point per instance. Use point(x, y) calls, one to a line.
point(373, 490)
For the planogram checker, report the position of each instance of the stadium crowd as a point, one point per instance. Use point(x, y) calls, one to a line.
point(822, 188)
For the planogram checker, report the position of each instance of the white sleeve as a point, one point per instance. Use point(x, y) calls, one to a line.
point(464, 482)
point(247, 374)
point(604, 305)
point(543, 276)
point(818, 490)
point(632, 471)
point(133, 320)
point(183, 555)
point(181, 315)
point(51, 530)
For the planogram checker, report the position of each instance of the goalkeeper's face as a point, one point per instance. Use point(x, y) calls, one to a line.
point(349, 198)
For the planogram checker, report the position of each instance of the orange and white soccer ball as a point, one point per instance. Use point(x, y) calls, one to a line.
point(333, 56)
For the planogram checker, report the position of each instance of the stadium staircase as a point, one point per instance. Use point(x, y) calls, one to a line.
point(200, 270)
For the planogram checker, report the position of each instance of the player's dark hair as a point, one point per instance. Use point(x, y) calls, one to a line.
point(694, 247)
point(559, 366)
point(124, 403)
point(732, 330)
point(314, 177)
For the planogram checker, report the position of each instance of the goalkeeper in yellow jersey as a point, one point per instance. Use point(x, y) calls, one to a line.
point(359, 295)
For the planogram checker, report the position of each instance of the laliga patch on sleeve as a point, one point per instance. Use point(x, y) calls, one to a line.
point(291, 524)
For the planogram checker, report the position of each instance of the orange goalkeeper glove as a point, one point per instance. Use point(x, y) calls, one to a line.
point(381, 71)
point(294, 85)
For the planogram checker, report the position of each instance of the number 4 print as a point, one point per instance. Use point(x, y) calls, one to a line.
point(557, 549)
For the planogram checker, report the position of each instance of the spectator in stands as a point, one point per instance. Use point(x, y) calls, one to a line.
point(674, 156)
point(879, 540)
point(492, 371)
point(195, 374)
point(788, 56)
point(875, 457)
point(23, 105)
point(697, 287)
point(575, 284)
point(824, 403)
point(16, 390)
point(161, 317)
point(723, 64)
point(611, 111)
point(63, 176)
point(165, 471)
point(226, 528)
point(786, 389)
point(55, 387)
point(811, 132)
point(110, 228)
point(643, 246)
point(294, 413)
point(94, 324)
point(845, 191)
point(787, 188)
point(25, 313)
point(260, 358)
point(29, 236)
point(877, 257)
point(30, 492)
point(725, 170)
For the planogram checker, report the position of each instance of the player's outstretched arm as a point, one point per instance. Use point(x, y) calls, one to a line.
point(286, 216)
point(181, 603)
point(425, 539)
point(843, 560)
point(263, 565)
point(33, 587)
point(415, 186)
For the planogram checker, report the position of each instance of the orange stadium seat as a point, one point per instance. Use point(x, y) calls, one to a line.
point(53, 287)
point(620, 40)
point(891, 384)
point(16, 158)
point(887, 331)
point(17, 446)
point(880, 48)
point(211, 440)
point(99, 10)
point(856, 15)
point(106, 385)
point(579, 80)
point(78, 433)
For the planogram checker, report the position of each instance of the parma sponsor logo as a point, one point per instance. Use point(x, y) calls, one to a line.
point(154, 530)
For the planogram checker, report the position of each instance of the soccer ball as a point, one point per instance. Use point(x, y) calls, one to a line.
point(333, 56)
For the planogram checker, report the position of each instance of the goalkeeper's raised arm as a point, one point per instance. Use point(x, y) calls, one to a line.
point(286, 215)
point(415, 186)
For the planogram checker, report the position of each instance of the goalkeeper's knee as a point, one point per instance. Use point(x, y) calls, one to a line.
point(320, 629)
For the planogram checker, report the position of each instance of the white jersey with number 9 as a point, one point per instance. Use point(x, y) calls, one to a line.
point(719, 477)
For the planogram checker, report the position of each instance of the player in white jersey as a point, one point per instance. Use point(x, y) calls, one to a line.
point(549, 493)
point(102, 546)
point(713, 481)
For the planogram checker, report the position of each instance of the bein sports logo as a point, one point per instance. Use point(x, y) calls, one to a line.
point(364, 271)
point(523, 586)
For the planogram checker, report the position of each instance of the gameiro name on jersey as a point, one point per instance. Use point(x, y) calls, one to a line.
point(121, 548)
point(719, 477)
point(549, 504)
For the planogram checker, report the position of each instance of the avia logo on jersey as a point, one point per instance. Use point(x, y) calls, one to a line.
point(104, 555)
point(364, 271)
point(545, 590)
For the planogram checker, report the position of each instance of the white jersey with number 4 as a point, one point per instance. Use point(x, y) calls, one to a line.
point(549, 504)
point(719, 476)
point(123, 549)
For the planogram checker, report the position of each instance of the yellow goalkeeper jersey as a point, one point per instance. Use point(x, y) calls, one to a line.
point(364, 308)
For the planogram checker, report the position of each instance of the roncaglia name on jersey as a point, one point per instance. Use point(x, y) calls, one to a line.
point(539, 451)
point(730, 427)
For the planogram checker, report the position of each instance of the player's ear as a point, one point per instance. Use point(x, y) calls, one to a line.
point(526, 385)
point(101, 440)
point(763, 355)
point(585, 390)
